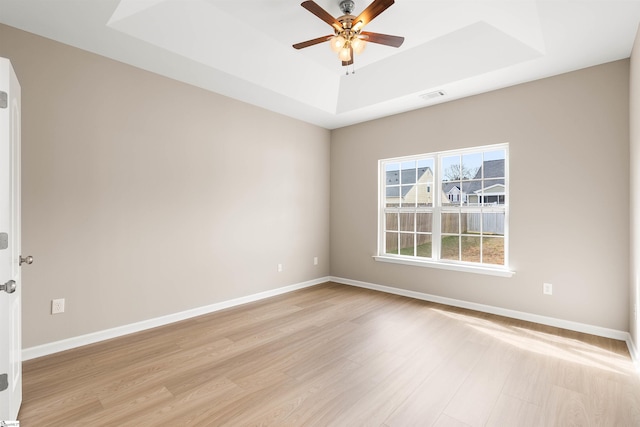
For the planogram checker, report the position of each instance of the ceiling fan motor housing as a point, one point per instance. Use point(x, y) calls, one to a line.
point(346, 6)
point(346, 21)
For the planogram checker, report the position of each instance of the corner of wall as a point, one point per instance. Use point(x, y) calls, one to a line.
point(634, 198)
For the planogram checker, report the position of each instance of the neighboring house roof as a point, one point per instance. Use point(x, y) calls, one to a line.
point(492, 189)
point(449, 186)
point(408, 176)
point(493, 169)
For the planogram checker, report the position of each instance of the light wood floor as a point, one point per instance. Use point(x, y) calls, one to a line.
point(342, 356)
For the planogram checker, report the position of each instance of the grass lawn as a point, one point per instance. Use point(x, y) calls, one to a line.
point(493, 249)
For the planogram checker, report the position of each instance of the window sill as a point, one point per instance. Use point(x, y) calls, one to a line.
point(502, 272)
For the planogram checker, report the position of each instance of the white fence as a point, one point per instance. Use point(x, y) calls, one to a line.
point(492, 222)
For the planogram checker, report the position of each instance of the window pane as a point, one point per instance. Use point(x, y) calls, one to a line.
point(450, 248)
point(392, 199)
point(391, 244)
point(451, 168)
point(471, 166)
point(471, 222)
point(392, 173)
point(471, 192)
point(408, 195)
point(423, 245)
point(450, 223)
point(451, 193)
point(424, 195)
point(493, 169)
point(493, 250)
point(392, 182)
point(424, 222)
point(493, 192)
point(406, 244)
point(470, 248)
point(425, 163)
point(425, 171)
point(408, 175)
point(495, 155)
point(493, 223)
point(407, 221)
point(391, 221)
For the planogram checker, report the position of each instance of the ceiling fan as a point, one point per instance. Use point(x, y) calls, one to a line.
point(348, 38)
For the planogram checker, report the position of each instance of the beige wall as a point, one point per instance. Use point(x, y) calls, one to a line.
point(143, 196)
point(569, 131)
point(634, 111)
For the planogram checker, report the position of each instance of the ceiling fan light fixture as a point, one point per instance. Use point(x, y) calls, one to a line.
point(358, 45)
point(345, 54)
point(337, 43)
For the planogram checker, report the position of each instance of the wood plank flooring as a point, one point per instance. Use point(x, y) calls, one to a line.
point(334, 355)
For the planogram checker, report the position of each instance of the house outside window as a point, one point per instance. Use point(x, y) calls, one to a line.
point(463, 221)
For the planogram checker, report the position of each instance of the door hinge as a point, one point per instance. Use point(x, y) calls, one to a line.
point(4, 99)
point(4, 382)
point(4, 240)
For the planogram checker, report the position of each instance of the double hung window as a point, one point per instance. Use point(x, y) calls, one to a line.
point(448, 208)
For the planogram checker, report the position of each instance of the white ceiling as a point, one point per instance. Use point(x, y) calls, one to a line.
point(242, 48)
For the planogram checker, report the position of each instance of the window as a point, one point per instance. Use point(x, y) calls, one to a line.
point(461, 223)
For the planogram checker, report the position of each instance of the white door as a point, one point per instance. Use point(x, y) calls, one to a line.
point(10, 277)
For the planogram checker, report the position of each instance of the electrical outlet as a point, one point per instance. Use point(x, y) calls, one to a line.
point(315, 260)
point(57, 306)
point(279, 268)
point(547, 288)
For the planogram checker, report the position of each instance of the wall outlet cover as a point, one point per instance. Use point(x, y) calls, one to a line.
point(57, 306)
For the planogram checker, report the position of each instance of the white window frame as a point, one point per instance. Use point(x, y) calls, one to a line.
point(437, 209)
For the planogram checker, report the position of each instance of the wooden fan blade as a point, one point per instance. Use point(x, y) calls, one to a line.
point(373, 10)
point(308, 43)
point(386, 39)
point(314, 8)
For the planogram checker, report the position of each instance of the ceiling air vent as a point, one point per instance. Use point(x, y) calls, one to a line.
point(432, 95)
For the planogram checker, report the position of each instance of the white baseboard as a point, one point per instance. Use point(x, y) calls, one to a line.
point(535, 318)
point(544, 320)
point(635, 356)
point(69, 343)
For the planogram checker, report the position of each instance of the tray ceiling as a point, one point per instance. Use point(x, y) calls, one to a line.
point(242, 49)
